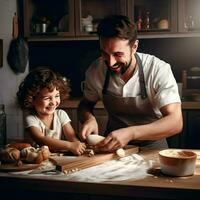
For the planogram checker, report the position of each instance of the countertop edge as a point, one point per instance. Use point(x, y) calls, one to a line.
point(74, 102)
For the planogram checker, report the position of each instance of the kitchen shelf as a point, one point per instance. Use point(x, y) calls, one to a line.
point(174, 12)
point(143, 36)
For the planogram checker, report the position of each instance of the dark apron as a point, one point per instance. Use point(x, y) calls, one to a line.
point(130, 111)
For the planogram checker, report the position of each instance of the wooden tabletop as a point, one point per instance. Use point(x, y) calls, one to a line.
point(155, 186)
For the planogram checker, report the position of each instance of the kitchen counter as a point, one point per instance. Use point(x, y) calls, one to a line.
point(73, 103)
point(154, 186)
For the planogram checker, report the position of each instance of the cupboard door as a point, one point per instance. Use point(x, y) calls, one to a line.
point(153, 16)
point(72, 113)
point(48, 18)
point(90, 12)
point(189, 16)
point(179, 140)
point(193, 131)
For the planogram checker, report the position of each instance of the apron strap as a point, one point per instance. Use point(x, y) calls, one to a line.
point(141, 77)
point(106, 82)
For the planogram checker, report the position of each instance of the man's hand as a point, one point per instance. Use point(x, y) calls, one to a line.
point(88, 127)
point(115, 140)
point(86, 117)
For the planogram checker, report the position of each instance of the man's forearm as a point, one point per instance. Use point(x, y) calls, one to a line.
point(85, 110)
point(167, 126)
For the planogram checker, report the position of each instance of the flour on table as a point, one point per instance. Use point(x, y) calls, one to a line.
point(130, 167)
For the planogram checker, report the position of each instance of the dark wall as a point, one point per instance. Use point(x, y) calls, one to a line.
point(72, 58)
point(181, 53)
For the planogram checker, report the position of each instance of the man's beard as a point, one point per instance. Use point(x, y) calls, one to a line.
point(123, 68)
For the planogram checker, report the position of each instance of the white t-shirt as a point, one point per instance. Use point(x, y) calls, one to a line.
point(60, 119)
point(160, 83)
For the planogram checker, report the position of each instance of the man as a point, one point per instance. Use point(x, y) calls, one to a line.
point(138, 90)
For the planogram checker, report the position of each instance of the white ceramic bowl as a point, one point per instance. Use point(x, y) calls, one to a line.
point(94, 139)
point(177, 162)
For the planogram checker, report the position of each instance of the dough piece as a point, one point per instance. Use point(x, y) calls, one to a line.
point(19, 146)
point(94, 139)
point(29, 154)
point(32, 155)
point(43, 154)
point(121, 153)
point(89, 152)
point(9, 155)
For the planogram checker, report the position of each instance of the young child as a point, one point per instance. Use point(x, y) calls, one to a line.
point(40, 93)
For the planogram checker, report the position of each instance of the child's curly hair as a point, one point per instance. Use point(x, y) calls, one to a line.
point(35, 81)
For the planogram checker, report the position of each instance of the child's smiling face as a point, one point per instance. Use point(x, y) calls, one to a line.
point(46, 102)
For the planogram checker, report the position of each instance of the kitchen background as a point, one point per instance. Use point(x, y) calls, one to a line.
point(72, 58)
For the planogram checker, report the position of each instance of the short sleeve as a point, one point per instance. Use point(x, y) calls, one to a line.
point(166, 86)
point(63, 117)
point(31, 120)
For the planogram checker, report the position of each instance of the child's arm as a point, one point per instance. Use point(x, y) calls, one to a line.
point(76, 147)
point(69, 132)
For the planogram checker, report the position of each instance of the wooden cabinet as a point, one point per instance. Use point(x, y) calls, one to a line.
point(179, 140)
point(193, 129)
point(152, 16)
point(166, 18)
point(190, 136)
point(48, 18)
point(78, 19)
point(72, 112)
point(67, 18)
point(89, 13)
point(189, 16)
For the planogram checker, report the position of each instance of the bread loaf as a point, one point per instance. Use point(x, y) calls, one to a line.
point(32, 155)
point(43, 154)
point(28, 154)
point(19, 146)
point(9, 155)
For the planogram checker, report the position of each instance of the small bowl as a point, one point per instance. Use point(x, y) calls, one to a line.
point(177, 162)
point(94, 139)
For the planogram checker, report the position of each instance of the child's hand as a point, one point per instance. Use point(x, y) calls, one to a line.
point(77, 148)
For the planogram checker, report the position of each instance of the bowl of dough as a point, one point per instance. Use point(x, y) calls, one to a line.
point(177, 162)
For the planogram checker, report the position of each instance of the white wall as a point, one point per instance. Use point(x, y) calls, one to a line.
point(9, 81)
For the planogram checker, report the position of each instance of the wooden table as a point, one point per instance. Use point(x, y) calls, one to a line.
point(156, 186)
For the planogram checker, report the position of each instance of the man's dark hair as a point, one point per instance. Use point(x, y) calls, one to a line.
point(117, 26)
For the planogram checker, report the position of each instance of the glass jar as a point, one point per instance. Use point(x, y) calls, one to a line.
point(3, 138)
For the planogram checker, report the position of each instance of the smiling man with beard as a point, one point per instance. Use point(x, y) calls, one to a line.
point(138, 90)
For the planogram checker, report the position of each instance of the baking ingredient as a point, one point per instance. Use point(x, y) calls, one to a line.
point(94, 139)
point(28, 154)
point(177, 162)
point(32, 155)
point(18, 146)
point(9, 155)
point(132, 167)
point(121, 153)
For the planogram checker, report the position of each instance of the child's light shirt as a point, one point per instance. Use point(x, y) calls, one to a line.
point(59, 120)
